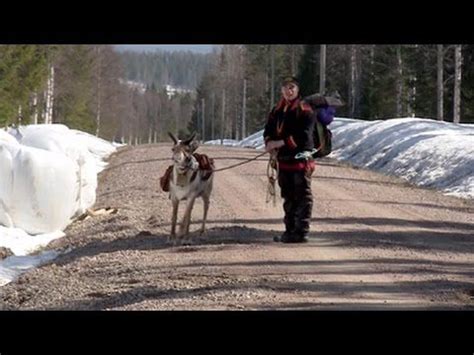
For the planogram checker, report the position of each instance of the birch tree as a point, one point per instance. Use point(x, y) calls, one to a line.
point(457, 83)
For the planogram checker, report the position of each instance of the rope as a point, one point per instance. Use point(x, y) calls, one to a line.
point(272, 174)
point(241, 163)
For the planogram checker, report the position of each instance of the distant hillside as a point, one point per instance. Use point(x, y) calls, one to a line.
point(179, 69)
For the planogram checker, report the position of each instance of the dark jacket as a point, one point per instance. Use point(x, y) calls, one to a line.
point(293, 123)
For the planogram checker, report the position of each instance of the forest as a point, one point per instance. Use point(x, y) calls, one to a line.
point(122, 96)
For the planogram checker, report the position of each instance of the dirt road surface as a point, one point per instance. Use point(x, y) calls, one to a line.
point(376, 243)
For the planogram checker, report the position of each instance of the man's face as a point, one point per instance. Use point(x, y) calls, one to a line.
point(290, 91)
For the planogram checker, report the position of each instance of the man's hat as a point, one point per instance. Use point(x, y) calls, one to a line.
point(290, 80)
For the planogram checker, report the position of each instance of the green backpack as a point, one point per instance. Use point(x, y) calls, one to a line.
point(322, 140)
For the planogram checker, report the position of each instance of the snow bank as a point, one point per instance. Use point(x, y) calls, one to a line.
point(48, 175)
point(426, 152)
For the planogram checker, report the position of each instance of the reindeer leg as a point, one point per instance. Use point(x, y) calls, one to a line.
point(205, 199)
point(184, 228)
point(174, 217)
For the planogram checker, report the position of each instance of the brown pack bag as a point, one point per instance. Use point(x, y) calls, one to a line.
point(165, 179)
point(206, 164)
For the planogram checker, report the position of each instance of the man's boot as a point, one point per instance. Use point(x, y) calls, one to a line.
point(286, 237)
point(300, 238)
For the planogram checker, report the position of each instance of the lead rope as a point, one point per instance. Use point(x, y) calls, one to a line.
point(241, 163)
point(272, 174)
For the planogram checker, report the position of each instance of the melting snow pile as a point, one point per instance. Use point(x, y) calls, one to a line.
point(48, 176)
point(425, 152)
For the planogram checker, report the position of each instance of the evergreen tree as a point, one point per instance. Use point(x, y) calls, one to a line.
point(308, 74)
point(23, 70)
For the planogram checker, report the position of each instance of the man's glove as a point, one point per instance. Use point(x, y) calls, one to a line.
point(274, 145)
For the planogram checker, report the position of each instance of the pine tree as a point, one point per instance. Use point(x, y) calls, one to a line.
point(22, 73)
point(308, 73)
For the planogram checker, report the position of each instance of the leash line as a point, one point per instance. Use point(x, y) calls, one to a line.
point(241, 163)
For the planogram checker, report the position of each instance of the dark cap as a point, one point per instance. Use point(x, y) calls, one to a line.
point(290, 80)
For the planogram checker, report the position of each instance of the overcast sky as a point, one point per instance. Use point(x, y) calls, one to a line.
point(200, 48)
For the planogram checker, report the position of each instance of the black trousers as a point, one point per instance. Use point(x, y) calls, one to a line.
point(298, 199)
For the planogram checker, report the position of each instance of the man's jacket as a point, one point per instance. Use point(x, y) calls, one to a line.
point(294, 124)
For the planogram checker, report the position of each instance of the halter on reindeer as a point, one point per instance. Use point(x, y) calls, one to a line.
point(189, 177)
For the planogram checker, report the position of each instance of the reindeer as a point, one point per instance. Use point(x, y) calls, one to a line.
point(188, 182)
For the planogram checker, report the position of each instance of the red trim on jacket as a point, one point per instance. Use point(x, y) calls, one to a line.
point(295, 104)
point(296, 165)
point(290, 142)
point(306, 107)
point(285, 105)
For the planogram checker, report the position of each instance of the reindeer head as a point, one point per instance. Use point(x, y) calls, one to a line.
point(183, 153)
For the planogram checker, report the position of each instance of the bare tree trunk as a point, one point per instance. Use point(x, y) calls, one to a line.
point(236, 125)
point(293, 59)
point(372, 60)
point(213, 98)
point(412, 97)
point(49, 90)
point(322, 69)
point(46, 101)
point(223, 116)
point(399, 83)
point(130, 131)
point(244, 102)
point(43, 105)
point(20, 116)
point(51, 97)
point(203, 119)
point(457, 83)
point(272, 76)
point(440, 86)
point(35, 108)
point(97, 118)
point(352, 84)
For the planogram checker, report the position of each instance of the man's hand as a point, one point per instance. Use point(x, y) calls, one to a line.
point(274, 145)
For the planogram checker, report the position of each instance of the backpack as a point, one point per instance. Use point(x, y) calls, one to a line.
point(322, 135)
point(322, 140)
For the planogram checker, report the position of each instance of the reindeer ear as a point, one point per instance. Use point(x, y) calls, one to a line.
point(175, 140)
point(194, 145)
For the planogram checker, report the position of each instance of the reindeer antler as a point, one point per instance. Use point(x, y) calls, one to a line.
point(187, 141)
point(175, 140)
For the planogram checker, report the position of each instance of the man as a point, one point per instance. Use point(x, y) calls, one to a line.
point(289, 130)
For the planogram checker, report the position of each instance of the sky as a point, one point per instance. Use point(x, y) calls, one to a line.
point(198, 48)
